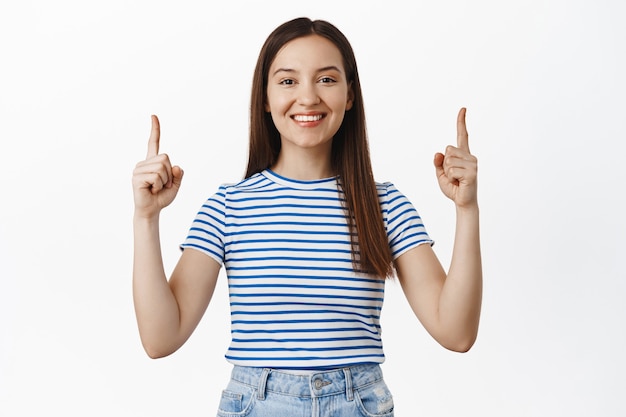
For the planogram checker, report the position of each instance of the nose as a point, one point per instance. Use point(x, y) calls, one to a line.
point(307, 94)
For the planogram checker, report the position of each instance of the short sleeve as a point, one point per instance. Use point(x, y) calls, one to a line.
point(206, 233)
point(405, 228)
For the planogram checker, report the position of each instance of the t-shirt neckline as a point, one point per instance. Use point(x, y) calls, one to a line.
point(300, 184)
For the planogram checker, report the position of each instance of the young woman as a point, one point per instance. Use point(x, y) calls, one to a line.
point(307, 239)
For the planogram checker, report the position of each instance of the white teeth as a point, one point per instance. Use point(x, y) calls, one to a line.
point(307, 118)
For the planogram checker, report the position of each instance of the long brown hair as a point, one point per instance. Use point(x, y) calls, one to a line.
point(350, 156)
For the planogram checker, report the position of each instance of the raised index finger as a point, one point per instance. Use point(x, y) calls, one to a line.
point(155, 136)
point(461, 131)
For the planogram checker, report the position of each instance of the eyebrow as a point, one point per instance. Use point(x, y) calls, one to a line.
point(328, 68)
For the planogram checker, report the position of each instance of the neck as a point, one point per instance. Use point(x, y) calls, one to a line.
point(302, 172)
point(303, 165)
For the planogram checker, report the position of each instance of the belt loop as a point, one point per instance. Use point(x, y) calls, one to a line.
point(263, 384)
point(349, 390)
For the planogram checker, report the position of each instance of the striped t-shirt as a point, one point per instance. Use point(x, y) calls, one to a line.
point(296, 302)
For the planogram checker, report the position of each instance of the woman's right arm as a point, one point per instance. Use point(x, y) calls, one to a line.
point(167, 311)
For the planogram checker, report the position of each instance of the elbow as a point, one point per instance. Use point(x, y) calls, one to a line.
point(460, 344)
point(156, 352)
point(157, 343)
point(459, 338)
point(459, 347)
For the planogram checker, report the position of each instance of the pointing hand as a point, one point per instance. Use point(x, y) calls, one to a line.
point(457, 170)
point(155, 180)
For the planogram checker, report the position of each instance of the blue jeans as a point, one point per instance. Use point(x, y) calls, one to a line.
point(356, 391)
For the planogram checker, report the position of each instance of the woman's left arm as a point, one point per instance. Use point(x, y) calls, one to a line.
point(448, 305)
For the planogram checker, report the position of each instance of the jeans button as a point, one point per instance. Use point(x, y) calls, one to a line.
point(318, 384)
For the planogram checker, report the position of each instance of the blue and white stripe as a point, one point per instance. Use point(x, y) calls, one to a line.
point(296, 302)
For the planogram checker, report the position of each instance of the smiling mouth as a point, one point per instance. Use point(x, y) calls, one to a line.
point(307, 117)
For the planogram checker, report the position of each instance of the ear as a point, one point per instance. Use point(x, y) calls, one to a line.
point(267, 107)
point(350, 100)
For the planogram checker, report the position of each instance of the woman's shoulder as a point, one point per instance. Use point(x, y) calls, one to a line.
point(386, 189)
point(390, 196)
point(249, 183)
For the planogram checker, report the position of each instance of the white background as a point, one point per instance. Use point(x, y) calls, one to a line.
point(545, 89)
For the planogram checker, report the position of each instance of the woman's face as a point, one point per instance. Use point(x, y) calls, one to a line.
point(308, 93)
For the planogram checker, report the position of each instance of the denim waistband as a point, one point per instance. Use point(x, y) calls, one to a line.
point(317, 384)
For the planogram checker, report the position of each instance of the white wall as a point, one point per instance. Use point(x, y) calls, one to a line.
point(544, 85)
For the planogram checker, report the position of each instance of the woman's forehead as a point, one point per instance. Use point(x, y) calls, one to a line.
point(308, 52)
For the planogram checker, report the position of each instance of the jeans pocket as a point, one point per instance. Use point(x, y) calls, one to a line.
point(236, 401)
point(375, 400)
